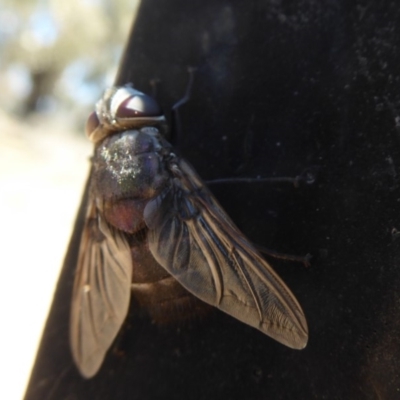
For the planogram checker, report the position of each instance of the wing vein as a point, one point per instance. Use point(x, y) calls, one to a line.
point(248, 283)
point(216, 273)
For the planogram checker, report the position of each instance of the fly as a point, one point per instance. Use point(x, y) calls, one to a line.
point(154, 231)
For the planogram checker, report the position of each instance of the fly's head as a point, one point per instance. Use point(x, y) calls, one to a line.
point(122, 108)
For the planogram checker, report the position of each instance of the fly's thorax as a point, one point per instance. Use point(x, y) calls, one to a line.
point(129, 164)
point(128, 171)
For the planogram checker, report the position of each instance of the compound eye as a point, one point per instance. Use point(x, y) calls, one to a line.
point(138, 106)
point(92, 123)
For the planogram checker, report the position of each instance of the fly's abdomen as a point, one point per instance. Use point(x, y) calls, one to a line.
point(167, 302)
point(157, 293)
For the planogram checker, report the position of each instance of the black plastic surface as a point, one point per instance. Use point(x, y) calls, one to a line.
point(281, 86)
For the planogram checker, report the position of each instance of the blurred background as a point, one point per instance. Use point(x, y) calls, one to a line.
point(55, 60)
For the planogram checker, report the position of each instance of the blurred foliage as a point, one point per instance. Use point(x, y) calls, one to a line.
point(59, 55)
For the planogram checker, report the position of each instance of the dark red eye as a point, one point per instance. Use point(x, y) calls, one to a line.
point(138, 106)
point(92, 123)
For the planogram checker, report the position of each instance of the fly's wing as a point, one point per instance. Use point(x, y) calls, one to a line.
point(192, 237)
point(101, 292)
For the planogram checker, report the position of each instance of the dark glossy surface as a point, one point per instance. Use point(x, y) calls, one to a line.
point(306, 83)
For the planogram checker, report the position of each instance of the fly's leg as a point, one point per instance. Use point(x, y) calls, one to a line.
point(176, 129)
point(308, 176)
point(154, 87)
point(186, 97)
point(305, 260)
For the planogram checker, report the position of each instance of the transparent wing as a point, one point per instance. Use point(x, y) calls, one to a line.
point(192, 237)
point(101, 292)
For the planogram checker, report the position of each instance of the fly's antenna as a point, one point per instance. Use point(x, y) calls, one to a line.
point(176, 126)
